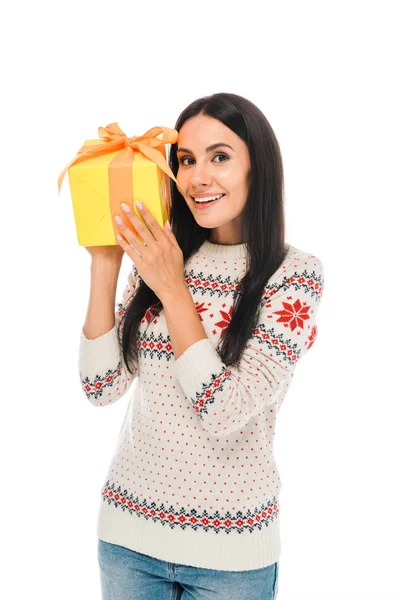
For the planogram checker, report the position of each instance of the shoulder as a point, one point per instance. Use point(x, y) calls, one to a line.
point(299, 268)
point(296, 258)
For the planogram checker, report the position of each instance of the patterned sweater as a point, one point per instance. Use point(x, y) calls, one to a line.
point(193, 479)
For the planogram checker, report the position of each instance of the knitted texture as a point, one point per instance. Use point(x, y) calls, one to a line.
point(193, 479)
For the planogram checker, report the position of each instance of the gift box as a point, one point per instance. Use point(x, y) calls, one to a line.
point(115, 169)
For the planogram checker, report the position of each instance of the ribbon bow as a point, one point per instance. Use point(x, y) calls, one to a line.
point(115, 139)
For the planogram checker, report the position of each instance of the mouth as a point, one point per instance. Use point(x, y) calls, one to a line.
point(201, 203)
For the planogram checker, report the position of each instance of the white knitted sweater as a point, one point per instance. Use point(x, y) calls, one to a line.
point(193, 478)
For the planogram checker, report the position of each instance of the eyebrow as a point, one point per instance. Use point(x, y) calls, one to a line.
point(208, 149)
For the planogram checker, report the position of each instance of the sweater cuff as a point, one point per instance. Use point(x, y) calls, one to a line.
point(195, 367)
point(99, 354)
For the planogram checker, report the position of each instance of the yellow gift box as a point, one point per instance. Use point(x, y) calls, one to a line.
point(116, 169)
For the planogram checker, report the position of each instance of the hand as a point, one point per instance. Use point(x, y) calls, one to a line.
point(161, 264)
point(114, 253)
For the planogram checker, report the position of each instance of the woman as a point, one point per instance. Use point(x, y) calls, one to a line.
point(215, 316)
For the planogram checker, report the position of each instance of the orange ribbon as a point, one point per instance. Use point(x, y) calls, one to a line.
point(120, 168)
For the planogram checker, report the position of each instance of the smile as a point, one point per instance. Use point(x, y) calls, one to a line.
point(206, 201)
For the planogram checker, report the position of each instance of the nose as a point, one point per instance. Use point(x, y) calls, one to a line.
point(199, 176)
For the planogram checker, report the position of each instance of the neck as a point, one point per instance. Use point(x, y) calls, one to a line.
point(210, 248)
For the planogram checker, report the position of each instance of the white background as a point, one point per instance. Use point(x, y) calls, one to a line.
point(325, 75)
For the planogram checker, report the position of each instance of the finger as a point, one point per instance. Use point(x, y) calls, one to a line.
point(171, 235)
point(125, 229)
point(138, 224)
point(129, 248)
point(153, 225)
point(127, 233)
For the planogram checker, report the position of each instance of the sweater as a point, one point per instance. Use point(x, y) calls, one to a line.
point(193, 479)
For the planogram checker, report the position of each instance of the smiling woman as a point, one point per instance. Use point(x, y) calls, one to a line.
point(214, 319)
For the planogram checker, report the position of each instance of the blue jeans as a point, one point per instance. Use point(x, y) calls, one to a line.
point(129, 575)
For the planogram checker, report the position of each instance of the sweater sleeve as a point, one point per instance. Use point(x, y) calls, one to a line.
point(103, 375)
point(226, 398)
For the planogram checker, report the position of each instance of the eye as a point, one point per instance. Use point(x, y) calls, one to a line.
point(221, 154)
point(181, 161)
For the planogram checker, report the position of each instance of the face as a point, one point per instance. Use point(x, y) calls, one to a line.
point(213, 160)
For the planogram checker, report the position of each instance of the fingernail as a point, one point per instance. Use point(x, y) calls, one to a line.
point(169, 225)
point(139, 204)
point(119, 220)
point(125, 207)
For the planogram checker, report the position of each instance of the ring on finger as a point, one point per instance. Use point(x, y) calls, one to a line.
point(137, 252)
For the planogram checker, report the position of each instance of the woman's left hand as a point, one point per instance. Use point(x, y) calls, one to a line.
point(161, 264)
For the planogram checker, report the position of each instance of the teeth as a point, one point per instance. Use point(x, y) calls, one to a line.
point(208, 198)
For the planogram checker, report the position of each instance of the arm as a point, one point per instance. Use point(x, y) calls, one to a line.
point(226, 398)
point(103, 376)
point(100, 316)
point(184, 325)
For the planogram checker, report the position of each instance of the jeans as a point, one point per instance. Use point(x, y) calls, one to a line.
point(129, 575)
